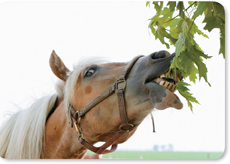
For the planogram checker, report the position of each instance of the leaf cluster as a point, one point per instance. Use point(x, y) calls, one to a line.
point(175, 25)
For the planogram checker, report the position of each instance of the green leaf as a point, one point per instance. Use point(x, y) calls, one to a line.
point(184, 28)
point(172, 5)
point(214, 16)
point(161, 34)
point(217, 21)
point(157, 6)
point(180, 31)
point(166, 15)
point(179, 44)
point(189, 69)
point(153, 31)
point(194, 29)
point(213, 22)
point(174, 22)
point(180, 7)
point(147, 3)
point(199, 32)
point(202, 6)
point(202, 69)
point(218, 10)
point(184, 91)
point(182, 36)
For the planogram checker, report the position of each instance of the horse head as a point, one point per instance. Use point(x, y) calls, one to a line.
point(146, 88)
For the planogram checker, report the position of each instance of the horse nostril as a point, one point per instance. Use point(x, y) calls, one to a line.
point(160, 54)
point(153, 55)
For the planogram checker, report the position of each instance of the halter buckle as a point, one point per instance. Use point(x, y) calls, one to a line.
point(78, 130)
point(118, 84)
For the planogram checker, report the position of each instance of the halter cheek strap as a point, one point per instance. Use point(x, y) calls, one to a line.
point(119, 88)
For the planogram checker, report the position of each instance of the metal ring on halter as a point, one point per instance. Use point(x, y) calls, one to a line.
point(131, 126)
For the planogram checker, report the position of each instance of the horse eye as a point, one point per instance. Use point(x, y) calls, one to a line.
point(89, 73)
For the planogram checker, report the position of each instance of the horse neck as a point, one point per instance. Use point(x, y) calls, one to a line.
point(60, 138)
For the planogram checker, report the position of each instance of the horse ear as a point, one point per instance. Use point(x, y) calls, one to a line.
point(58, 67)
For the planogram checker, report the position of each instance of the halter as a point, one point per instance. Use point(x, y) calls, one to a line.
point(119, 88)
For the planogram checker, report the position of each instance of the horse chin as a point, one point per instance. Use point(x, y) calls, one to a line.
point(170, 100)
point(162, 98)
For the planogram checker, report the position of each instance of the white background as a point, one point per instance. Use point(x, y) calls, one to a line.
point(29, 31)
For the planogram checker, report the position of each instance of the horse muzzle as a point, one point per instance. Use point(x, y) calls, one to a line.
point(154, 80)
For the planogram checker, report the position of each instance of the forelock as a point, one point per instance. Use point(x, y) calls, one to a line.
point(73, 77)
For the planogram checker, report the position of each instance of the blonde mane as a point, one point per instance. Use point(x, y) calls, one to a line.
point(22, 135)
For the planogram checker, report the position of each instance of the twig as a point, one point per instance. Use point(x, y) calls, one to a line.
point(183, 11)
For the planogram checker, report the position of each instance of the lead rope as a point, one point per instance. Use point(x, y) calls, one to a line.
point(152, 122)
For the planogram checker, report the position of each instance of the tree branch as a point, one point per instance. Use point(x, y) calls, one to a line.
point(183, 11)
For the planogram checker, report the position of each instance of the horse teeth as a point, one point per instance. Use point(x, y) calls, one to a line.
point(171, 76)
point(173, 88)
point(170, 85)
point(161, 83)
point(166, 84)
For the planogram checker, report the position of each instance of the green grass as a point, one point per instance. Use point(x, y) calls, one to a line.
point(161, 155)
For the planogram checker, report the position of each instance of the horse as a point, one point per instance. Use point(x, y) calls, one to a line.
point(97, 101)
